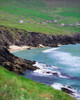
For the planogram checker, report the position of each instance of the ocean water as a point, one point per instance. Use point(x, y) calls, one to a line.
point(58, 66)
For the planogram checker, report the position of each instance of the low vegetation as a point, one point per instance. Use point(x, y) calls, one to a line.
point(14, 87)
point(39, 16)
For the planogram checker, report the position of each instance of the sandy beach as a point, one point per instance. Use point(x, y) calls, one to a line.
point(14, 48)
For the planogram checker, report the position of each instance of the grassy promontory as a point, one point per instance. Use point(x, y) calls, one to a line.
point(14, 87)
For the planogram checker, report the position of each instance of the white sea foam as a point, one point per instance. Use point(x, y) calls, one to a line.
point(75, 93)
point(61, 76)
point(67, 59)
point(42, 72)
point(41, 66)
point(45, 71)
point(49, 50)
point(57, 86)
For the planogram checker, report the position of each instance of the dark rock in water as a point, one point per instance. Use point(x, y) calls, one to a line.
point(64, 89)
point(29, 48)
point(69, 87)
point(48, 72)
point(13, 63)
point(55, 73)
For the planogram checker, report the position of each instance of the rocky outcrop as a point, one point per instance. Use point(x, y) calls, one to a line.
point(9, 36)
point(67, 90)
point(13, 63)
point(20, 37)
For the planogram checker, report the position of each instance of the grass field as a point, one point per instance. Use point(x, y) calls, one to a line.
point(62, 3)
point(14, 87)
point(36, 15)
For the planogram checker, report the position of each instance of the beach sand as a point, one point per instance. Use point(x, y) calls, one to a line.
point(14, 48)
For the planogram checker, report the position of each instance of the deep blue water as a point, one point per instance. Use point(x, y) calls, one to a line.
point(66, 58)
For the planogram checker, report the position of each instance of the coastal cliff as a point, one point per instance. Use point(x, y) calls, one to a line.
point(14, 36)
point(20, 37)
point(13, 63)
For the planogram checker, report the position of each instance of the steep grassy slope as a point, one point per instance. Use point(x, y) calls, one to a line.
point(14, 87)
point(39, 17)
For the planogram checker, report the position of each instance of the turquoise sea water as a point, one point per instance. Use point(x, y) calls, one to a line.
point(65, 58)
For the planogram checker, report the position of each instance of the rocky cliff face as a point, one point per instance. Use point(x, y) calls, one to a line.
point(9, 36)
point(13, 63)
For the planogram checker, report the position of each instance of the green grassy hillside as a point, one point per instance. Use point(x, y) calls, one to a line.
point(38, 16)
point(14, 87)
point(62, 3)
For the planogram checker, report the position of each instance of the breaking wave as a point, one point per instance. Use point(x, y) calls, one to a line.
point(44, 70)
point(49, 50)
point(75, 93)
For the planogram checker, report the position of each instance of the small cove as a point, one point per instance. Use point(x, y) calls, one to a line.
point(65, 60)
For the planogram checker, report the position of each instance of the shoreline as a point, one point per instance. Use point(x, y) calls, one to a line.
point(15, 48)
point(34, 39)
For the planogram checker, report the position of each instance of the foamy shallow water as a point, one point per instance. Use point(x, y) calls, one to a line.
point(75, 93)
point(45, 70)
point(57, 65)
